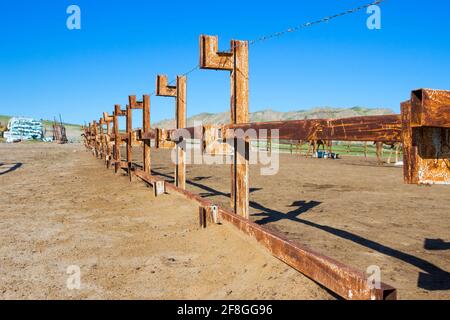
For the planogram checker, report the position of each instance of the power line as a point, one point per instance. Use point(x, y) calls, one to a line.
point(312, 23)
point(294, 29)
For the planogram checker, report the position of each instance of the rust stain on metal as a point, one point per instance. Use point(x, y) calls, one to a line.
point(430, 108)
point(345, 281)
point(117, 139)
point(146, 129)
point(163, 89)
point(426, 135)
point(164, 137)
point(236, 61)
point(386, 128)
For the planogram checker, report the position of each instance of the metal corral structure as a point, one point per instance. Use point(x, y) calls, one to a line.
point(422, 128)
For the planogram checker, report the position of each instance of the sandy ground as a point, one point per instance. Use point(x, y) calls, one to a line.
point(60, 207)
point(349, 209)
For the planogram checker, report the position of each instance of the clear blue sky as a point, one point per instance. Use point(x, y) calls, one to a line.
point(46, 69)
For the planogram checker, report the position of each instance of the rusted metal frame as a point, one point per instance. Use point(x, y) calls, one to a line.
point(92, 138)
point(369, 128)
point(89, 139)
point(117, 137)
point(163, 89)
point(157, 184)
point(102, 139)
point(146, 155)
point(180, 167)
point(129, 132)
point(150, 135)
point(163, 140)
point(410, 175)
point(343, 280)
point(96, 139)
point(236, 61)
point(179, 93)
point(138, 105)
point(211, 141)
point(386, 128)
point(108, 120)
point(426, 137)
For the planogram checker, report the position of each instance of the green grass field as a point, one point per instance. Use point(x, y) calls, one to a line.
point(353, 149)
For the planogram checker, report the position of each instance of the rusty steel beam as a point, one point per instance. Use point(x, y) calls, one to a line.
point(180, 118)
point(430, 108)
point(117, 137)
point(236, 61)
point(143, 136)
point(426, 137)
point(102, 138)
point(108, 120)
point(343, 280)
point(138, 105)
point(158, 184)
point(163, 140)
point(163, 89)
point(385, 128)
point(179, 93)
point(129, 132)
point(146, 129)
point(96, 139)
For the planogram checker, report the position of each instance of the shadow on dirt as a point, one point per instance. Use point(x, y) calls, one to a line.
point(433, 277)
point(9, 167)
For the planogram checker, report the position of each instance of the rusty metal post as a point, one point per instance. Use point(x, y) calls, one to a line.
point(235, 61)
point(94, 124)
point(108, 120)
point(129, 129)
point(117, 138)
point(145, 129)
point(180, 168)
point(101, 138)
point(179, 92)
point(426, 137)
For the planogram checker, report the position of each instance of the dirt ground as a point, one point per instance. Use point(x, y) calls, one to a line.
point(60, 207)
point(350, 209)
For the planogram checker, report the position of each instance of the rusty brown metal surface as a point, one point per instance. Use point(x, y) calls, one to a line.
point(129, 133)
point(163, 89)
point(163, 136)
point(108, 120)
point(423, 127)
point(345, 281)
point(180, 119)
point(430, 108)
point(409, 151)
point(211, 142)
point(236, 61)
point(163, 140)
point(117, 138)
point(145, 129)
point(426, 137)
point(150, 135)
point(385, 128)
point(211, 58)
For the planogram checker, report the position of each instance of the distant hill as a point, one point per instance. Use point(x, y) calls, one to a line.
point(271, 115)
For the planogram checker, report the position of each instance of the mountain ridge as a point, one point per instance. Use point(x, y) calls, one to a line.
point(272, 115)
